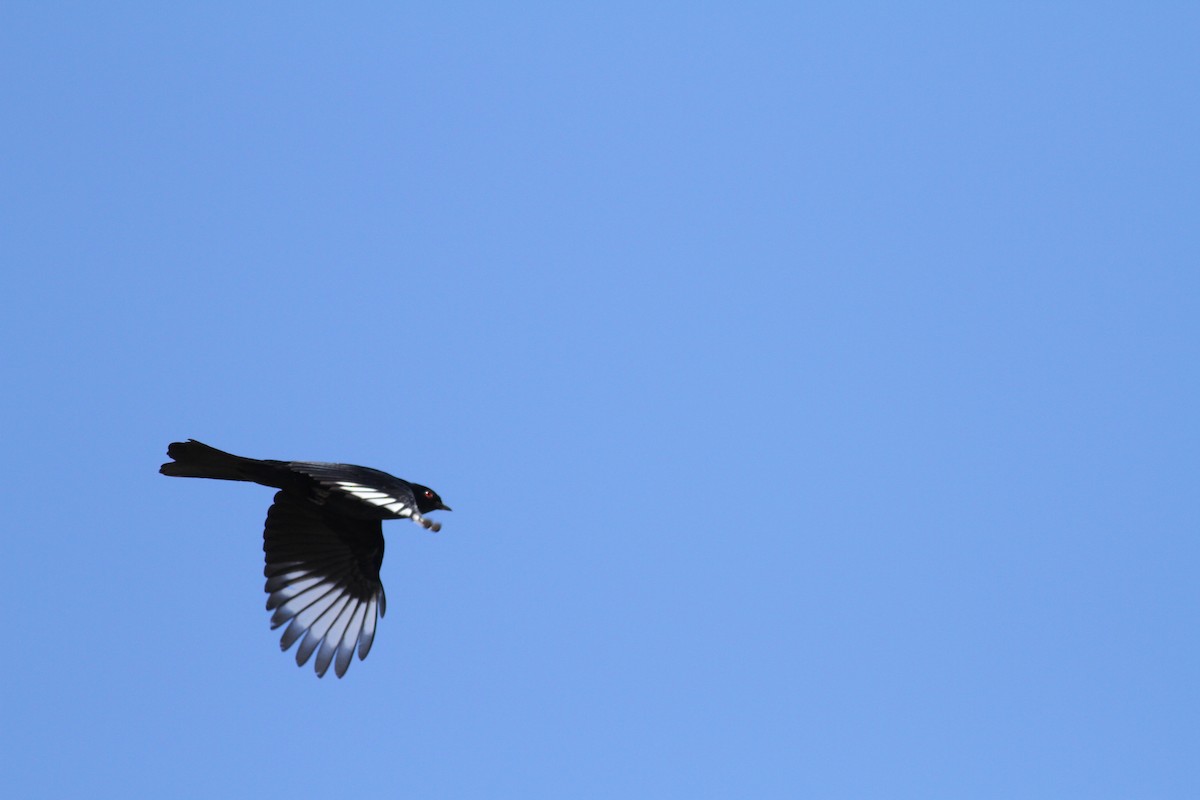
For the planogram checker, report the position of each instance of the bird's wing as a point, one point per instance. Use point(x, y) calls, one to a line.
point(323, 580)
point(370, 487)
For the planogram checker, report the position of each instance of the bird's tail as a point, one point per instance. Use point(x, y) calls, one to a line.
point(197, 460)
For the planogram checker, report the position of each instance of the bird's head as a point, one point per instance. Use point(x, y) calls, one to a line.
point(428, 500)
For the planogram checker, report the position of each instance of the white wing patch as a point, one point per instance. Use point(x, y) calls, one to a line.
point(375, 497)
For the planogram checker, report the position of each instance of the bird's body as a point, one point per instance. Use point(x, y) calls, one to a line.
point(323, 543)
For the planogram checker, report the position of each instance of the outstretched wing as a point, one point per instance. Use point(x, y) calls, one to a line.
point(323, 580)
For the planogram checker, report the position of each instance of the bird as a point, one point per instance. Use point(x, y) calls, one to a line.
point(323, 544)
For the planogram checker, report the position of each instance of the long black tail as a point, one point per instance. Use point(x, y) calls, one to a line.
point(197, 460)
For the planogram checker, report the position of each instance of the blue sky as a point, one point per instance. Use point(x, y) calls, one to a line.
point(815, 388)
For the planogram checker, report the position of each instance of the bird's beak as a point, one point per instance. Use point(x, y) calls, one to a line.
point(446, 508)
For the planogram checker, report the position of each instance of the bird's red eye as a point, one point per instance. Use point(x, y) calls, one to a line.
point(428, 494)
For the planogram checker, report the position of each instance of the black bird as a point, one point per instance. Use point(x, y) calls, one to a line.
point(323, 542)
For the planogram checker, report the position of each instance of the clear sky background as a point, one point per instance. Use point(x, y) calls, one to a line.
point(815, 388)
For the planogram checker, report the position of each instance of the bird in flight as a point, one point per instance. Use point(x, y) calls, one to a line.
point(323, 543)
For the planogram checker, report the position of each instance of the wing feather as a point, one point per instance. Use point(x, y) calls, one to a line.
point(322, 574)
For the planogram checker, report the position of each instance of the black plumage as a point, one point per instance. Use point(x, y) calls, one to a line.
point(323, 543)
